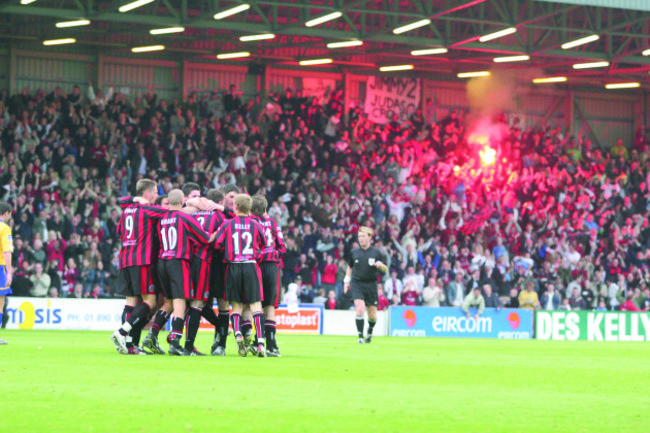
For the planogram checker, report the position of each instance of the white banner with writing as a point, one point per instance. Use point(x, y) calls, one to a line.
point(318, 87)
point(386, 96)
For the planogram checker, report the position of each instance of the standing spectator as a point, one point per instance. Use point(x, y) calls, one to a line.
point(456, 291)
point(528, 298)
point(432, 295)
point(474, 300)
point(393, 285)
point(382, 301)
point(491, 299)
point(41, 282)
point(411, 293)
point(330, 303)
point(328, 278)
point(550, 299)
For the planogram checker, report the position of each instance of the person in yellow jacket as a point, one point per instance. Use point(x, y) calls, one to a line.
point(7, 247)
point(528, 298)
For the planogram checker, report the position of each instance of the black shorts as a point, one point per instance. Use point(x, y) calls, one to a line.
point(365, 291)
point(200, 271)
point(243, 283)
point(218, 280)
point(156, 279)
point(175, 278)
point(136, 281)
point(270, 284)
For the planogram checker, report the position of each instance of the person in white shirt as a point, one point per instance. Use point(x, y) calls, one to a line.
point(393, 286)
point(432, 295)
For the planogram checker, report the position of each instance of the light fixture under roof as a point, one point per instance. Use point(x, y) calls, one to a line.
point(590, 65)
point(506, 59)
point(429, 51)
point(133, 5)
point(315, 62)
point(148, 48)
point(232, 11)
point(26, 2)
point(631, 85)
point(396, 68)
point(580, 41)
point(60, 41)
point(74, 23)
point(260, 37)
point(549, 80)
point(323, 19)
point(473, 74)
point(498, 34)
point(344, 44)
point(233, 55)
point(164, 31)
point(646, 52)
point(412, 26)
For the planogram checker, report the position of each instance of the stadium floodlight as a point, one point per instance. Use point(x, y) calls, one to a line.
point(323, 19)
point(167, 30)
point(26, 2)
point(74, 23)
point(498, 34)
point(429, 51)
point(412, 26)
point(256, 37)
point(623, 85)
point(511, 59)
point(60, 41)
point(396, 68)
point(549, 80)
point(590, 65)
point(344, 44)
point(473, 74)
point(232, 11)
point(148, 48)
point(133, 5)
point(646, 53)
point(233, 55)
point(580, 41)
point(315, 62)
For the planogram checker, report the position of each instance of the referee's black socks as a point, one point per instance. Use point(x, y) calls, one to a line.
point(360, 321)
point(371, 326)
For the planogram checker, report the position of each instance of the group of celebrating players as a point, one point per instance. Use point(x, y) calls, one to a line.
point(180, 252)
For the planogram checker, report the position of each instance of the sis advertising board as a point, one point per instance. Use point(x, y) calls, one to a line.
point(452, 322)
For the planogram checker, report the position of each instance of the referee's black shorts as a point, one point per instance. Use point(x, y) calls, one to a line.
point(365, 291)
point(270, 284)
point(175, 278)
point(243, 283)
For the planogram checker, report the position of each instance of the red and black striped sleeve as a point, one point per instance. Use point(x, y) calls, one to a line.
point(195, 231)
point(125, 201)
point(153, 212)
point(222, 237)
point(279, 239)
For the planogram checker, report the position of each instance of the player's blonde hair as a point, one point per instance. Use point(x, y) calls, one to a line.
point(366, 230)
point(243, 203)
point(143, 186)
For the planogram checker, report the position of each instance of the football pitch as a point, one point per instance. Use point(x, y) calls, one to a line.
point(65, 381)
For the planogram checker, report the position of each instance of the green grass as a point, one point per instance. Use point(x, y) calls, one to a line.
point(77, 383)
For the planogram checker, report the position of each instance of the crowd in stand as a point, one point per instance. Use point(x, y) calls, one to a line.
point(551, 222)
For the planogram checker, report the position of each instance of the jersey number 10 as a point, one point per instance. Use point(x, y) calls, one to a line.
point(169, 238)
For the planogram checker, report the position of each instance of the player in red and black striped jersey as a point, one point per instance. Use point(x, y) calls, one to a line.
point(179, 236)
point(137, 223)
point(242, 240)
point(269, 262)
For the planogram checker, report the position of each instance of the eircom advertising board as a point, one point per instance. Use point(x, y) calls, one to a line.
point(452, 322)
point(592, 325)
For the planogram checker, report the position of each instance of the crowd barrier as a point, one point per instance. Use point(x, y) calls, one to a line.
point(105, 315)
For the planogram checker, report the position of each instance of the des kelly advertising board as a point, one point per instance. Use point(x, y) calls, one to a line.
point(452, 322)
point(592, 325)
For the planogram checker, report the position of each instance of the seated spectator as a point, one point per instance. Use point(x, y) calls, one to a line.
point(320, 298)
point(77, 292)
point(513, 302)
point(382, 301)
point(53, 293)
point(528, 298)
point(629, 305)
point(330, 303)
point(575, 300)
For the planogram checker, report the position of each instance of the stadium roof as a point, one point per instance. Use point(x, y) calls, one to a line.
point(620, 35)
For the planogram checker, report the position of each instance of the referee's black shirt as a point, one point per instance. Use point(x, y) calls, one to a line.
point(363, 266)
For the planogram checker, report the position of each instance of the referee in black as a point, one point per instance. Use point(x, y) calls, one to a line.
point(362, 274)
